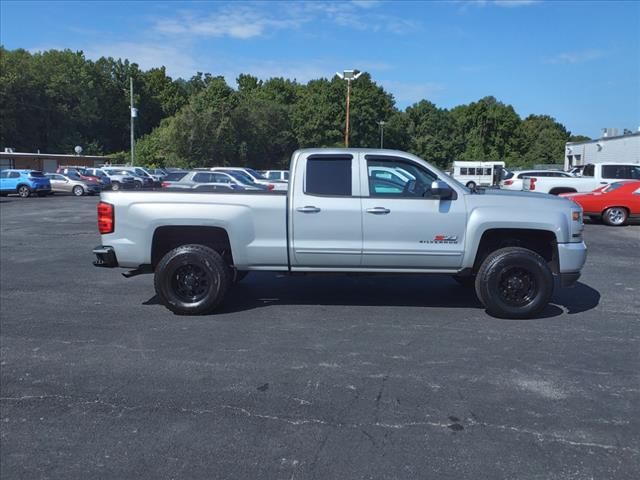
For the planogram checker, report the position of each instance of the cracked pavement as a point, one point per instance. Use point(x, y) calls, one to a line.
point(307, 377)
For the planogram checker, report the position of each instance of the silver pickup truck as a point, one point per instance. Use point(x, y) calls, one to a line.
point(345, 211)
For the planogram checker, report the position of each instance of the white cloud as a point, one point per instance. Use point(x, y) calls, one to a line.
point(576, 57)
point(253, 20)
point(496, 3)
point(514, 3)
point(178, 60)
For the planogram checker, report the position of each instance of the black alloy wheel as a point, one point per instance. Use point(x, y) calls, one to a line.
point(514, 282)
point(192, 279)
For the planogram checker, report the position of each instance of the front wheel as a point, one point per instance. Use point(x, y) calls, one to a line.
point(115, 186)
point(78, 191)
point(471, 185)
point(24, 191)
point(514, 282)
point(615, 216)
point(191, 280)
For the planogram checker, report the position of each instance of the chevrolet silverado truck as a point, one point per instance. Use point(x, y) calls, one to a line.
point(593, 176)
point(338, 217)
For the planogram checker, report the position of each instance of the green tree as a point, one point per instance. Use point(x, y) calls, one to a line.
point(485, 130)
point(541, 141)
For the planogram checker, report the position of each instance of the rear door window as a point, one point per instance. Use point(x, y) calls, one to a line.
point(329, 175)
point(621, 171)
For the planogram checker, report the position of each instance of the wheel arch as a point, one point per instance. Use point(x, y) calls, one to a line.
point(167, 238)
point(543, 242)
point(559, 190)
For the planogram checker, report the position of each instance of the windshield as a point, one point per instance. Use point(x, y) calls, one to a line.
point(174, 176)
point(612, 186)
point(242, 178)
point(239, 175)
point(256, 174)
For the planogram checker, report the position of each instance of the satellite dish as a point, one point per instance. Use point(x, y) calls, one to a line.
point(78, 149)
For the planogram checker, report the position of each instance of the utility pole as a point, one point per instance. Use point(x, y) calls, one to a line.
point(381, 123)
point(349, 76)
point(134, 113)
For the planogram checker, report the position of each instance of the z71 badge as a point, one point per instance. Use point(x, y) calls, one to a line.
point(439, 239)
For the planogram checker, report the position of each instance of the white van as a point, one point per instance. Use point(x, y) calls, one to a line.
point(477, 174)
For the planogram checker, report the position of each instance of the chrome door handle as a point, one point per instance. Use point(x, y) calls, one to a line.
point(378, 210)
point(308, 209)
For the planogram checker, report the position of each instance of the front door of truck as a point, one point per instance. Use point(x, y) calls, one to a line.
point(326, 212)
point(403, 225)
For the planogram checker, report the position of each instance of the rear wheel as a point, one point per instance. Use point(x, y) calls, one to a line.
point(514, 282)
point(78, 191)
point(615, 216)
point(24, 191)
point(471, 185)
point(191, 280)
point(115, 186)
point(138, 185)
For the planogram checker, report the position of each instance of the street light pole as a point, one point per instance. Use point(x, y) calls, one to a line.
point(133, 113)
point(349, 76)
point(381, 123)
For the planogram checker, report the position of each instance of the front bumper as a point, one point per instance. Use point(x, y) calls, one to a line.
point(105, 257)
point(572, 257)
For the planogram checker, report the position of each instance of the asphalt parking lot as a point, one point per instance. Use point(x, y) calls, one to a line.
point(307, 377)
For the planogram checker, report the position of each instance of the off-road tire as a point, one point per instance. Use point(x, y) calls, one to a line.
point(192, 280)
point(514, 282)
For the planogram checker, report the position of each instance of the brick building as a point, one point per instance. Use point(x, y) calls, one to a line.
point(47, 162)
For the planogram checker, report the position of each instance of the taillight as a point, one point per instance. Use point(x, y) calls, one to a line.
point(508, 182)
point(106, 220)
point(165, 184)
point(532, 183)
point(270, 187)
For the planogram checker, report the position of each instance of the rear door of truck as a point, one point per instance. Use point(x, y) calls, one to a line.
point(326, 227)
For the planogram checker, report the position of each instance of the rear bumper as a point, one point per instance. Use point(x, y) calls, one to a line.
point(105, 257)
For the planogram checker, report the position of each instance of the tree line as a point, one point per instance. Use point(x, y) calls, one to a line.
point(54, 100)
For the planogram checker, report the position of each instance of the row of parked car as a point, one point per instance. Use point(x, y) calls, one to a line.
point(221, 179)
point(78, 180)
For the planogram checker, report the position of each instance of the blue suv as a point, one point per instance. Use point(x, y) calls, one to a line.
point(24, 183)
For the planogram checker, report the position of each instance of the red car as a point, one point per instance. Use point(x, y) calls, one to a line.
point(614, 203)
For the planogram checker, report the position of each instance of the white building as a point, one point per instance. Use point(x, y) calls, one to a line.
point(612, 147)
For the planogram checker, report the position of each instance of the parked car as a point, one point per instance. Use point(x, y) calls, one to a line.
point(282, 175)
point(24, 182)
point(219, 180)
point(80, 172)
point(593, 175)
point(249, 174)
point(508, 244)
point(144, 173)
point(138, 182)
point(172, 177)
point(158, 173)
point(614, 203)
point(118, 180)
point(70, 183)
point(513, 180)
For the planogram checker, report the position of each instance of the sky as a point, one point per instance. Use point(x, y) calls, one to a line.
point(578, 61)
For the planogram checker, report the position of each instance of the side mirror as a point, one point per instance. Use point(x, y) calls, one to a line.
point(441, 190)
